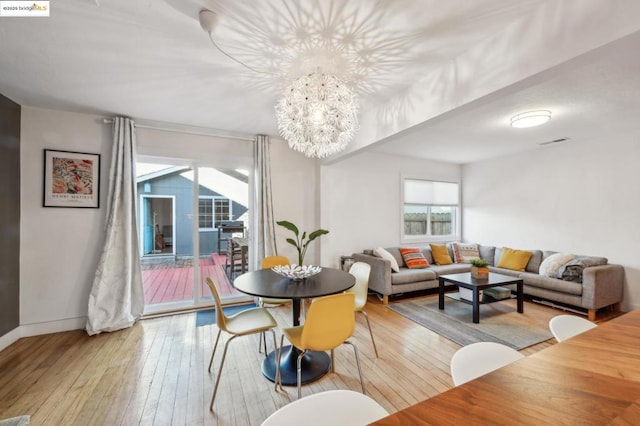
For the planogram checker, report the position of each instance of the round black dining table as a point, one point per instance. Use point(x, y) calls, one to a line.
point(267, 283)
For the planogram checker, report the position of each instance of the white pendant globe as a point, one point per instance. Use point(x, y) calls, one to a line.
point(318, 115)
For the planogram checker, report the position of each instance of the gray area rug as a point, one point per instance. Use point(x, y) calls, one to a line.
point(499, 322)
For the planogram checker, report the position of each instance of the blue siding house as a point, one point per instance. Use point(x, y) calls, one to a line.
point(166, 212)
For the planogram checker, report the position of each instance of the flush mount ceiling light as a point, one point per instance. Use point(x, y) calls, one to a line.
point(318, 114)
point(530, 118)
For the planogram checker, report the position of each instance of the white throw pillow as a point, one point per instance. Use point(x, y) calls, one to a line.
point(380, 252)
point(550, 266)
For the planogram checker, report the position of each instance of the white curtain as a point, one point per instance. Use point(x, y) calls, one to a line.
point(265, 232)
point(116, 300)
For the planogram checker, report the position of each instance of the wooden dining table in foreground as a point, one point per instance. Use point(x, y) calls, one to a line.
point(591, 379)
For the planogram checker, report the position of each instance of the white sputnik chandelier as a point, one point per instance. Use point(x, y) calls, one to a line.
point(318, 114)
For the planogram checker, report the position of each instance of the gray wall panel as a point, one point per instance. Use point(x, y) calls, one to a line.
point(9, 215)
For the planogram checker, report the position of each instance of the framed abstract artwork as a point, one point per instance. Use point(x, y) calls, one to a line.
point(71, 179)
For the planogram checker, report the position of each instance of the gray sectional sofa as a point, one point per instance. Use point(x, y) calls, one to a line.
point(584, 286)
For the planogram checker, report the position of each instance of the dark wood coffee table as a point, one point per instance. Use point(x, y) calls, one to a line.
point(465, 280)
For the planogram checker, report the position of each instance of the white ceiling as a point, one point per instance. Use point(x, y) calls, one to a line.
point(591, 97)
point(151, 60)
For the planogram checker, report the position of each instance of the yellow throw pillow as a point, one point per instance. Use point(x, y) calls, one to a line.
point(514, 259)
point(440, 254)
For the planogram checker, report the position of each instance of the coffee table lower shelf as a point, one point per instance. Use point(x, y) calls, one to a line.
point(456, 296)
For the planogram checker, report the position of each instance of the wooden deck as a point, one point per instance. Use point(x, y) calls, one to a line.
point(170, 282)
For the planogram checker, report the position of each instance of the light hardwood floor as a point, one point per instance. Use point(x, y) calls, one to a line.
point(156, 372)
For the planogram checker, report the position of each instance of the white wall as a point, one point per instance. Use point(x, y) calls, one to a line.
point(360, 200)
point(59, 247)
point(294, 180)
point(580, 197)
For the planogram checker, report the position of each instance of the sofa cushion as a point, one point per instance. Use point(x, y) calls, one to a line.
point(453, 268)
point(534, 263)
point(503, 271)
point(550, 266)
point(410, 276)
point(532, 266)
point(413, 258)
point(572, 270)
point(554, 284)
point(383, 253)
point(514, 259)
point(426, 252)
point(440, 254)
point(464, 253)
point(487, 253)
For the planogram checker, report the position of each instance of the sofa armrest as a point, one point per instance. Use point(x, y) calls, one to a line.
point(380, 275)
point(602, 286)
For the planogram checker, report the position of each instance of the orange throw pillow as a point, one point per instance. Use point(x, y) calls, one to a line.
point(414, 258)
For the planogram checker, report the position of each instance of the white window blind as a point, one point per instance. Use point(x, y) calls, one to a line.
point(430, 192)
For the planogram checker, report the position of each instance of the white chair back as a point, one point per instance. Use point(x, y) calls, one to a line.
point(361, 271)
point(564, 327)
point(478, 359)
point(335, 407)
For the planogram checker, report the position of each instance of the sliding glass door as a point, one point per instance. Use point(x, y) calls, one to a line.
point(181, 210)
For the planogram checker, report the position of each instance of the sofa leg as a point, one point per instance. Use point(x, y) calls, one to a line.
point(385, 299)
point(616, 307)
point(592, 314)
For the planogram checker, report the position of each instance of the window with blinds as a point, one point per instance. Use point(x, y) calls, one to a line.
point(430, 210)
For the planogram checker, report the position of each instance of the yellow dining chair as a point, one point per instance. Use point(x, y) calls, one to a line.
point(329, 323)
point(361, 271)
point(268, 263)
point(244, 323)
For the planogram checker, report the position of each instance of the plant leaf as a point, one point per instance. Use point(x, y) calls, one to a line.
point(290, 226)
point(316, 234)
point(292, 242)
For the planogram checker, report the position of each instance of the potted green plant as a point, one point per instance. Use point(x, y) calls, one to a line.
point(479, 268)
point(299, 243)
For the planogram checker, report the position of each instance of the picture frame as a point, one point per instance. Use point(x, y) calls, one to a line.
point(71, 179)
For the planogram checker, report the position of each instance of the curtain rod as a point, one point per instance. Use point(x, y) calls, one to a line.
point(188, 132)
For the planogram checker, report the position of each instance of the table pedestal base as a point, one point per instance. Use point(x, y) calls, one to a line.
point(314, 366)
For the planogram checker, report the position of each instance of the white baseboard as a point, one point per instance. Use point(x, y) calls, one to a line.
point(48, 327)
point(9, 338)
point(36, 329)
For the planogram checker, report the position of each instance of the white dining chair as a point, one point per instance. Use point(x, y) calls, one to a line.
point(361, 271)
point(478, 359)
point(334, 407)
point(564, 327)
